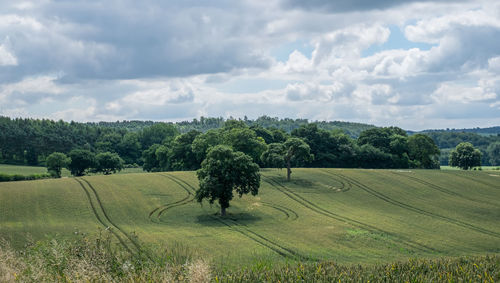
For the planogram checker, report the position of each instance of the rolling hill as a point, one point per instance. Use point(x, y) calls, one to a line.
point(345, 215)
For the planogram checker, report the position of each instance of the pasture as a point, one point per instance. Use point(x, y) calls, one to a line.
point(343, 215)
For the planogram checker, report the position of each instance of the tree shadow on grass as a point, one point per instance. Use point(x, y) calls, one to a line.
point(215, 220)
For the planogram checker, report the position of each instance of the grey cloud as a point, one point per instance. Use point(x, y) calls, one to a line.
point(339, 6)
point(129, 39)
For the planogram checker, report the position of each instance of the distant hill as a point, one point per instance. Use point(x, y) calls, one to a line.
point(479, 131)
point(204, 124)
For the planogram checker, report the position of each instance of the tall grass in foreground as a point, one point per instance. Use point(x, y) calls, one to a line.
point(98, 259)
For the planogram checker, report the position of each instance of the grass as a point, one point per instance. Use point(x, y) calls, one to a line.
point(341, 215)
point(486, 168)
point(97, 259)
point(29, 170)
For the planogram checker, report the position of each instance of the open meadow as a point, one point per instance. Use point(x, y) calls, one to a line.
point(343, 215)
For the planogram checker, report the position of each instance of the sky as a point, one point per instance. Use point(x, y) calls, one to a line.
point(412, 64)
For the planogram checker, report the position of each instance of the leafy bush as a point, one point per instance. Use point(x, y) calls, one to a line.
point(19, 177)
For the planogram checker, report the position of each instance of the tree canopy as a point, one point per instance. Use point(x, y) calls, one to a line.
point(295, 150)
point(465, 156)
point(81, 160)
point(224, 171)
point(55, 162)
point(107, 163)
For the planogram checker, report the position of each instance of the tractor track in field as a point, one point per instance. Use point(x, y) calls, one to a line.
point(306, 203)
point(443, 190)
point(344, 187)
point(96, 214)
point(287, 211)
point(134, 242)
point(416, 209)
point(247, 232)
point(469, 178)
point(266, 242)
point(161, 209)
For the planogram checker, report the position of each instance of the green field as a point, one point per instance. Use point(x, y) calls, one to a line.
point(348, 216)
point(487, 168)
point(29, 170)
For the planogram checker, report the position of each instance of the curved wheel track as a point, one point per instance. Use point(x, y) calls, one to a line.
point(249, 233)
point(287, 211)
point(441, 189)
point(161, 209)
point(306, 203)
point(418, 210)
point(344, 187)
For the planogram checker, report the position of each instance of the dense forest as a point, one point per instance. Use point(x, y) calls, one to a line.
point(182, 145)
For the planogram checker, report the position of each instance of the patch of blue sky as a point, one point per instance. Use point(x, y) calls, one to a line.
point(252, 85)
point(396, 40)
point(282, 52)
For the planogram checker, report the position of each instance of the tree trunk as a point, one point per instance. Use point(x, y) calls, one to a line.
point(288, 170)
point(222, 211)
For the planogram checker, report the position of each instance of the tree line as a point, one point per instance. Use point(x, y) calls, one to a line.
point(164, 146)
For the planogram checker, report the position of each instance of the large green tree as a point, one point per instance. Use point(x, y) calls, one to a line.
point(55, 162)
point(81, 160)
point(465, 156)
point(423, 151)
point(225, 171)
point(107, 163)
point(296, 150)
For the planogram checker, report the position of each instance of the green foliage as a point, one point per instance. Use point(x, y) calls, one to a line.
point(80, 161)
point(181, 156)
point(423, 151)
point(493, 152)
point(129, 148)
point(107, 163)
point(223, 171)
point(370, 156)
point(18, 177)
point(150, 162)
point(245, 140)
point(465, 156)
point(157, 134)
point(464, 269)
point(329, 149)
point(203, 142)
point(55, 162)
point(273, 157)
point(296, 150)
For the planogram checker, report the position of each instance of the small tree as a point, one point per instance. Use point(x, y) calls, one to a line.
point(55, 162)
point(223, 171)
point(465, 156)
point(81, 160)
point(108, 163)
point(295, 150)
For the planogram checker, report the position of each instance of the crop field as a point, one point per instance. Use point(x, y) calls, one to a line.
point(26, 170)
point(29, 170)
point(342, 215)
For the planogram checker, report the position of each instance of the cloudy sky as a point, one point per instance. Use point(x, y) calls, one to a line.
point(413, 64)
